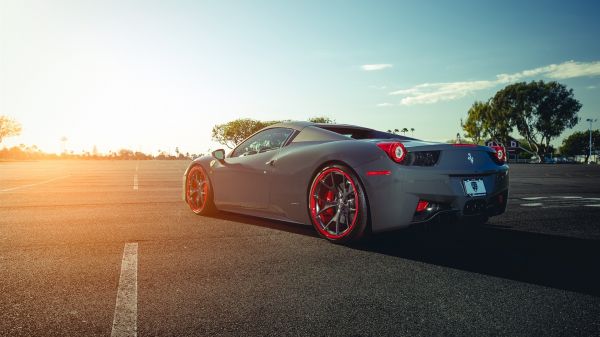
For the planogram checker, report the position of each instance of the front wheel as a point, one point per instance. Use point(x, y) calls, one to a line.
point(198, 191)
point(337, 204)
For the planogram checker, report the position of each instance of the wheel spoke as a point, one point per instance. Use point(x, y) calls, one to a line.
point(326, 227)
point(346, 217)
point(331, 188)
point(349, 191)
point(326, 208)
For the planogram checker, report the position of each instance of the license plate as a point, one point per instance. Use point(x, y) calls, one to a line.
point(474, 187)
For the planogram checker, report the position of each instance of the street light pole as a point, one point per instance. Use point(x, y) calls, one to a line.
point(590, 148)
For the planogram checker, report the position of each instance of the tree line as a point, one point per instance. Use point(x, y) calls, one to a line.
point(9, 127)
point(234, 132)
point(403, 130)
point(537, 110)
point(23, 152)
point(578, 144)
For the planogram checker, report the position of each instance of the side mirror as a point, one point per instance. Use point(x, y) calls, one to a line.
point(219, 155)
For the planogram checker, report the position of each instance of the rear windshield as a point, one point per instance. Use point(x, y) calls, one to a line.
point(359, 133)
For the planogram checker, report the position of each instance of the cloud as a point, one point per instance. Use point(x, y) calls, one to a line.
point(569, 69)
point(385, 104)
point(379, 66)
point(574, 69)
point(428, 93)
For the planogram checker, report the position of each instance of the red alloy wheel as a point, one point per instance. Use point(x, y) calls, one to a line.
point(334, 203)
point(197, 188)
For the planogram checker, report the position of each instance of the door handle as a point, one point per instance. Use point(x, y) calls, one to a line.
point(270, 162)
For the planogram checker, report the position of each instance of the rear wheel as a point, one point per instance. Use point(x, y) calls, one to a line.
point(198, 192)
point(337, 204)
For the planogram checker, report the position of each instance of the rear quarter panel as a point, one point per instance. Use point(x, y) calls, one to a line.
point(297, 164)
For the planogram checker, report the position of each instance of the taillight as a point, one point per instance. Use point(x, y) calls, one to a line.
point(422, 205)
point(500, 153)
point(395, 150)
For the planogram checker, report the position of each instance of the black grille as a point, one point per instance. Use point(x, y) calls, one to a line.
point(422, 158)
point(476, 206)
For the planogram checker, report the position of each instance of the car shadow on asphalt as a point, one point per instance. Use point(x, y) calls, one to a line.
point(542, 259)
point(266, 223)
point(547, 260)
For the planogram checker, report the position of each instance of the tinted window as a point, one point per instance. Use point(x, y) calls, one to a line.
point(360, 133)
point(263, 141)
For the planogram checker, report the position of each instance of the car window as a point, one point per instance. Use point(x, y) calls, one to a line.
point(361, 133)
point(263, 141)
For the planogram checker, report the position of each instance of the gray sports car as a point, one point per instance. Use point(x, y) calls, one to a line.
point(347, 180)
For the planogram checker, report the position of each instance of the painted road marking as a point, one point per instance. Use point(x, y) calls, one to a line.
point(35, 184)
point(125, 320)
point(135, 176)
point(561, 201)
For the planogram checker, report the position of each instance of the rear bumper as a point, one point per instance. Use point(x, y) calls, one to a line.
point(393, 198)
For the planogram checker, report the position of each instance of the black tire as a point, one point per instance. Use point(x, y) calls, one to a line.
point(337, 204)
point(199, 192)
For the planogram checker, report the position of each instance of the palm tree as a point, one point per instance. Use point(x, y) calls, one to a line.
point(404, 131)
point(63, 141)
point(412, 131)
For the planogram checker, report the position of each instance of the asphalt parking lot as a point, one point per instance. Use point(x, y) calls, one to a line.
point(90, 248)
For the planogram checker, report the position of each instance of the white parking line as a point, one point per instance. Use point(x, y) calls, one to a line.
point(31, 185)
point(135, 182)
point(125, 320)
point(561, 201)
point(532, 204)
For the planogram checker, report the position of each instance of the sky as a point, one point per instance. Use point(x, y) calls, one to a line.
point(156, 75)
